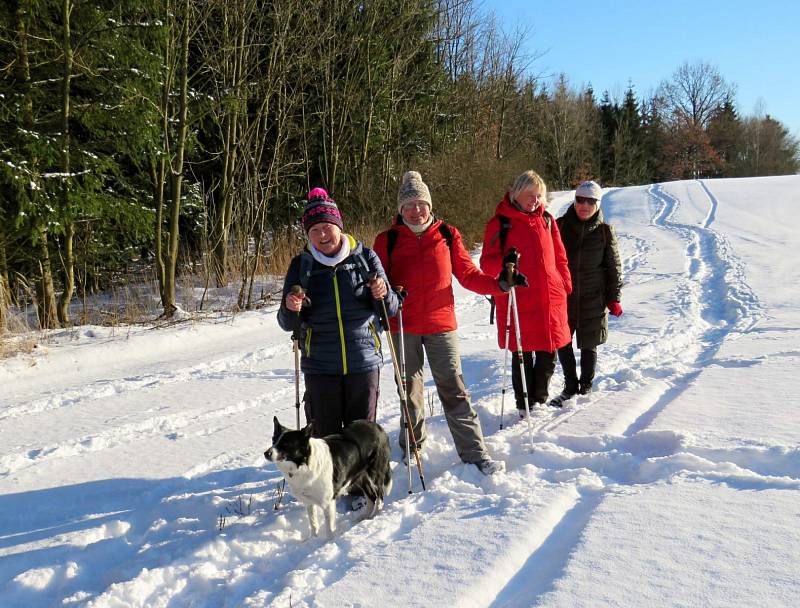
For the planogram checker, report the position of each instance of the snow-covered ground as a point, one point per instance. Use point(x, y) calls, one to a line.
point(131, 467)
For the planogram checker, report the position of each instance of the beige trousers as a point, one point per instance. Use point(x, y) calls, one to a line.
point(445, 363)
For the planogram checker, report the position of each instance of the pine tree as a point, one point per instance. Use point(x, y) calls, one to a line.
point(630, 166)
point(68, 180)
point(608, 115)
point(725, 136)
point(654, 134)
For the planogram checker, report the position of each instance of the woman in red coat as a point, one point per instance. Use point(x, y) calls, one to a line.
point(521, 222)
point(422, 254)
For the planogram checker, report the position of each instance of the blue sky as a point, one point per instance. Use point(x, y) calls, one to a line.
point(755, 45)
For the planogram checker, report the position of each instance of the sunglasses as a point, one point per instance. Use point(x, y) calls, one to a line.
point(584, 200)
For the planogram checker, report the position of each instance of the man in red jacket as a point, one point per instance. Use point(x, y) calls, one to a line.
point(416, 255)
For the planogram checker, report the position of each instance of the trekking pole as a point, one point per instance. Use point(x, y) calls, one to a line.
point(296, 348)
point(521, 359)
point(505, 362)
point(403, 395)
point(297, 290)
point(405, 422)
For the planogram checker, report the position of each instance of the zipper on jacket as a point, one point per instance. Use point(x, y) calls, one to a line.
point(577, 288)
point(308, 342)
point(341, 324)
point(546, 292)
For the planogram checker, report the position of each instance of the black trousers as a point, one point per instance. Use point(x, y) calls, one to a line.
point(333, 401)
point(566, 357)
point(537, 376)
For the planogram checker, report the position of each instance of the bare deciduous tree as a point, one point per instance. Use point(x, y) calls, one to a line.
point(66, 240)
point(568, 123)
point(167, 168)
point(694, 93)
point(5, 293)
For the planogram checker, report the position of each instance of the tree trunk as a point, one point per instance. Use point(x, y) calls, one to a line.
point(157, 171)
point(5, 292)
point(176, 172)
point(230, 144)
point(67, 273)
point(45, 292)
point(67, 257)
point(225, 205)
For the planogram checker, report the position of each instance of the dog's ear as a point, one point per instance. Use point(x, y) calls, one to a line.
point(307, 430)
point(277, 423)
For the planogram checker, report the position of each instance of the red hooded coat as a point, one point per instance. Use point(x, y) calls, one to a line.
point(424, 265)
point(543, 304)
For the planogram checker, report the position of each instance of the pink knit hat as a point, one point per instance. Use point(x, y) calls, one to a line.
point(320, 207)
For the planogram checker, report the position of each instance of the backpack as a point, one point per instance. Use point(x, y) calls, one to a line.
point(502, 235)
point(505, 226)
point(391, 241)
point(307, 263)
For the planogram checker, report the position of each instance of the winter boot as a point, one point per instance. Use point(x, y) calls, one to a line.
point(359, 503)
point(585, 388)
point(571, 389)
point(487, 466)
point(422, 459)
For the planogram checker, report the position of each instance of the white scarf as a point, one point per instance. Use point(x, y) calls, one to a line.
point(344, 251)
point(419, 228)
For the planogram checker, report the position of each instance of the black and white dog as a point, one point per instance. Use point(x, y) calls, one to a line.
point(320, 470)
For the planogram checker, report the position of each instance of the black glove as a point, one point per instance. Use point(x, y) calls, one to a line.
point(509, 276)
point(508, 279)
point(401, 292)
point(512, 257)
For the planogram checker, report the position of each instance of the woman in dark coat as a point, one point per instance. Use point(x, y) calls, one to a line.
point(337, 313)
point(596, 272)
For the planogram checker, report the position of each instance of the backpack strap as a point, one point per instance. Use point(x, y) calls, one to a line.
point(391, 241)
point(363, 266)
point(505, 226)
point(447, 233)
point(391, 237)
point(502, 236)
point(502, 233)
point(306, 264)
point(392, 234)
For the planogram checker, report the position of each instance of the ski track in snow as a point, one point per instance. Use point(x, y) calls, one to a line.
point(712, 303)
point(261, 556)
point(120, 432)
point(105, 388)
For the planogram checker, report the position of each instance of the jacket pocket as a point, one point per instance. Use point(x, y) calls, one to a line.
point(375, 337)
point(308, 342)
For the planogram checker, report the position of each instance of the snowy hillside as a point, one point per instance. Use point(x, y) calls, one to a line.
point(677, 483)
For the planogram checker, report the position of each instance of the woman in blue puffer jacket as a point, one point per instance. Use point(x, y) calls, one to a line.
point(338, 316)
